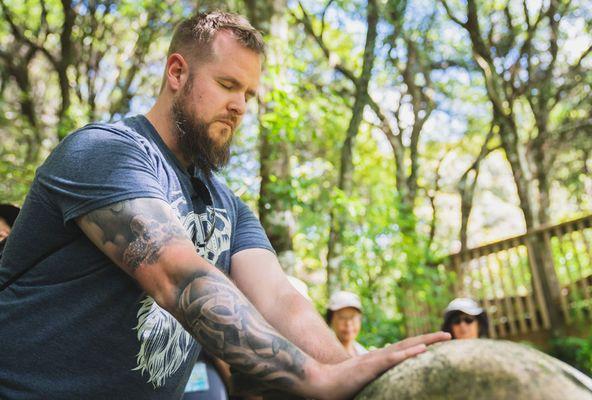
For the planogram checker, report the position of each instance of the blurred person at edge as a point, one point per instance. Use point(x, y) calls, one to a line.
point(344, 316)
point(464, 319)
point(8, 214)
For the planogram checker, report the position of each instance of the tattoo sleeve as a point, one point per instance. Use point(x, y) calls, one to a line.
point(223, 320)
point(135, 234)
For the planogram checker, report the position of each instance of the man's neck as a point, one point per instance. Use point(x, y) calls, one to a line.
point(160, 117)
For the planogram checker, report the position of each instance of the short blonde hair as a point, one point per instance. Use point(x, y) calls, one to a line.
point(193, 36)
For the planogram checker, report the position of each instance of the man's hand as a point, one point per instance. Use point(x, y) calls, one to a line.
point(345, 380)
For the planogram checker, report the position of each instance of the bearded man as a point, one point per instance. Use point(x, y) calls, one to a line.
point(129, 255)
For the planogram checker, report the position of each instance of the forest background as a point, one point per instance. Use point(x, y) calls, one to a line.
point(386, 134)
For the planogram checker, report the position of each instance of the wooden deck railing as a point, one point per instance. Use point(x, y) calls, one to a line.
point(505, 279)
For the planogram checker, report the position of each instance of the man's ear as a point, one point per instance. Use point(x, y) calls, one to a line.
point(176, 72)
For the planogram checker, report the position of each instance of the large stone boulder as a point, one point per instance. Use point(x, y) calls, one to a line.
point(480, 369)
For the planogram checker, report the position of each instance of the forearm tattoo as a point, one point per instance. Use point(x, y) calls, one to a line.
point(210, 307)
point(222, 319)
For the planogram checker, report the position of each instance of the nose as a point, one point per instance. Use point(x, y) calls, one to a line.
point(238, 104)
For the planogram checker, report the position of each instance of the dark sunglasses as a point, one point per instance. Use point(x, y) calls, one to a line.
point(202, 191)
point(467, 319)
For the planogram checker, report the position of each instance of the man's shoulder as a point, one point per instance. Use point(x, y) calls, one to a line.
point(104, 133)
point(102, 145)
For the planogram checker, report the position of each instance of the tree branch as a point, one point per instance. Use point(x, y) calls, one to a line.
point(307, 23)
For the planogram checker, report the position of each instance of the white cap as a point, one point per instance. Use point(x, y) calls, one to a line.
point(343, 299)
point(464, 304)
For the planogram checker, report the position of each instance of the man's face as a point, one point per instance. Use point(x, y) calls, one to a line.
point(211, 105)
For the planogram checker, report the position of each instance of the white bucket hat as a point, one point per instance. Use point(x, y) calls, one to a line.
point(464, 304)
point(343, 299)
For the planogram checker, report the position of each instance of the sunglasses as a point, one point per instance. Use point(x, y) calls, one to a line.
point(467, 319)
point(209, 225)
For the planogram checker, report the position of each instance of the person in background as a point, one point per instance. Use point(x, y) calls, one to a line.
point(464, 319)
point(344, 316)
point(8, 214)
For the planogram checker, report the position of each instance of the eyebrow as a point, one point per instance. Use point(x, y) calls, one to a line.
point(234, 81)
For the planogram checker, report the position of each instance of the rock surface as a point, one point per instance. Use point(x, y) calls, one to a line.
point(480, 369)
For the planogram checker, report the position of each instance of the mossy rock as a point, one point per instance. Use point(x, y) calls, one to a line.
point(480, 369)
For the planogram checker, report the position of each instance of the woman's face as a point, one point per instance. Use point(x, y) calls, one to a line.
point(465, 326)
point(346, 324)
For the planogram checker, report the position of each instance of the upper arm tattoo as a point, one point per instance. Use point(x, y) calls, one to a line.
point(133, 232)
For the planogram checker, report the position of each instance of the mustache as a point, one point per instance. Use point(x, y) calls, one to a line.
point(231, 119)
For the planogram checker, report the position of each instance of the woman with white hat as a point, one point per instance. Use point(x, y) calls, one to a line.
point(344, 316)
point(464, 319)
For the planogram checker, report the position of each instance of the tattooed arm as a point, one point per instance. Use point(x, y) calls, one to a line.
point(146, 240)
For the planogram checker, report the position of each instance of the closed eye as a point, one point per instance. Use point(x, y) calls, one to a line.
point(232, 84)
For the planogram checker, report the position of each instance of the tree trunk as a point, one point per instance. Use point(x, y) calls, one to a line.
point(344, 183)
point(274, 205)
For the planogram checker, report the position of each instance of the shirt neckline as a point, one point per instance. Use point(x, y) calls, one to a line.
point(161, 144)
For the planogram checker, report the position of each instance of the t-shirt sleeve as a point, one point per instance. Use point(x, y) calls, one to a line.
point(95, 167)
point(249, 234)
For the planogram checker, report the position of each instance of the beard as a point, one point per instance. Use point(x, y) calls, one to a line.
point(193, 138)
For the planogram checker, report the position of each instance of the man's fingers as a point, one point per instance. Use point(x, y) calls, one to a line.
point(402, 355)
point(426, 339)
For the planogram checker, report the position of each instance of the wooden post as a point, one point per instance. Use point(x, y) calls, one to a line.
point(540, 251)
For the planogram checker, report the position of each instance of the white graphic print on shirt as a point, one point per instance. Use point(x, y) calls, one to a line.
point(164, 343)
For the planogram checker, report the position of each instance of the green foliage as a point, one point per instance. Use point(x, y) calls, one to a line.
point(575, 351)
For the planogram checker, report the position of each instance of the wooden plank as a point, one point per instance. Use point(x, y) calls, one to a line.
point(534, 320)
point(582, 281)
point(506, 295)
point(498, 307)
point(582, 229)
point(487, 248)
point(485, 297)
point(574, 293)
point(538, 290)
point(562, 298)
point(520, 314)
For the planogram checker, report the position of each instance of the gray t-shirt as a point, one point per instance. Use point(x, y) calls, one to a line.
point(76, 326)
